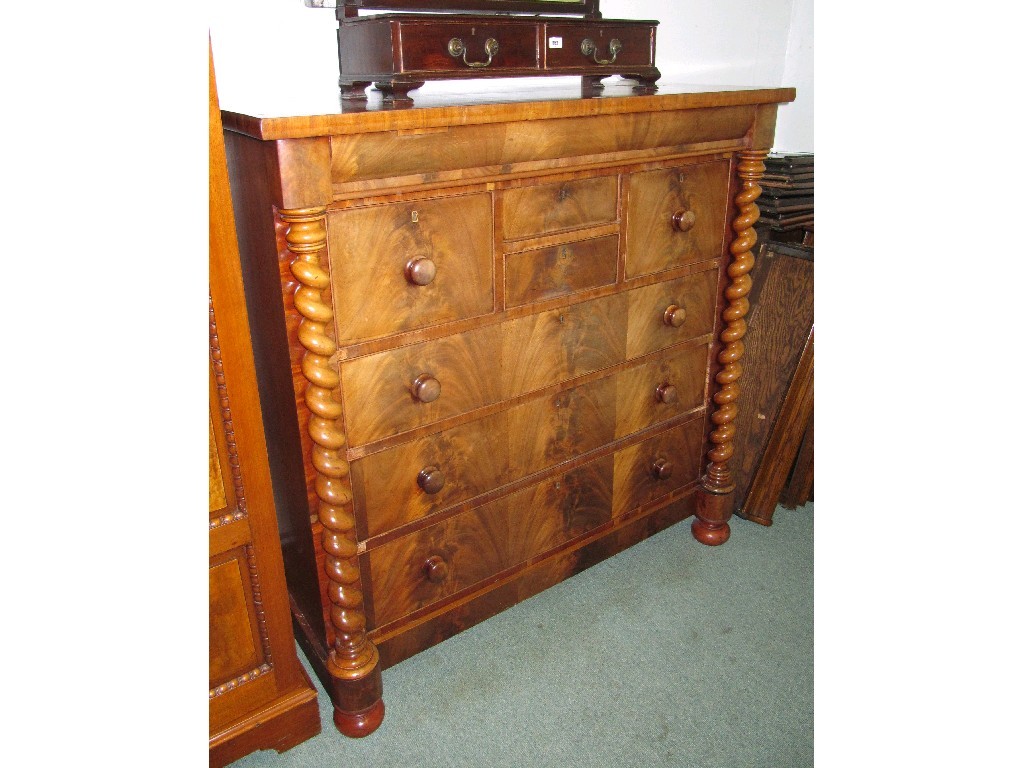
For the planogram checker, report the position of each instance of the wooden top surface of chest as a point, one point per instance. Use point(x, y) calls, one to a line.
point(498, 340)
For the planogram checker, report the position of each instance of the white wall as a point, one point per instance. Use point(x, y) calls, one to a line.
point(275, 43)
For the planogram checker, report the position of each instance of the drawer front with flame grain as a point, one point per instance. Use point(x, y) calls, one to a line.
point(431, 564)
point(676, 216)
point(391, 392)
point(658, 466)
point(409, 265)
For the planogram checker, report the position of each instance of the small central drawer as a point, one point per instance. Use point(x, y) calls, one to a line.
point(408, 265)
point(538, 210)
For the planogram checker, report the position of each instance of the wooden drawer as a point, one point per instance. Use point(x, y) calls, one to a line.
point(660, 389)
point(429, 565)
point(545, 273)
point(636, 46)
point(519, 356)
point(648, 326)
point(381, 391)
point(380, 255)
point(657, 466)
point(544, 208)
point(675, 216)
point(399, 485)
point(427, 46)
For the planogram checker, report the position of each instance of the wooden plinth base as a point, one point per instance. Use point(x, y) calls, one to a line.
point(359, 724)
point(711, 522)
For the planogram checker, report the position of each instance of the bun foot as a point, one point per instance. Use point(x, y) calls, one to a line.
point(359, 724)
point(711, 534)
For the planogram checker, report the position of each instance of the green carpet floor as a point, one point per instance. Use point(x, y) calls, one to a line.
point(668, 654)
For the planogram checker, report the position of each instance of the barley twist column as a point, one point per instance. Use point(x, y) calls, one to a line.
point(714, 503)
point(354, 662)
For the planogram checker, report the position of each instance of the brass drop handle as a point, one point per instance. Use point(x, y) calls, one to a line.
point(426, 388)
point(589, 48)
point(674, 316)
point(684, 220)
point(661, 469)
point(667, 394)
point(420, 271)
point(430, 479)
point(435, 569)
point(457, 49)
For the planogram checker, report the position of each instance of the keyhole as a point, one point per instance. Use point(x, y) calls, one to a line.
point(415, 217)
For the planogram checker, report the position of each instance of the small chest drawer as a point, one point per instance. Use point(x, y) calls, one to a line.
point(664, 314)
point(537, 210)
point(426, 566)
point(440, 46)
point(412, 264)
point(658, 466)
point(579, 45)
point(676, 216)
point(545, 273)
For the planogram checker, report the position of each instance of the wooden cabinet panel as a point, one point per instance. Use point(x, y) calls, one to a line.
point(536, 210)
point(232, 634)
point(260, 697)
point(409, 265)
point(676, 216)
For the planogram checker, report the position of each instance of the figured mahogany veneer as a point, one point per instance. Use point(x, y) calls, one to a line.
point(497, 343)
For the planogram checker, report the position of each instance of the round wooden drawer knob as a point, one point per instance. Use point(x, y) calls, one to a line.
point(668, 394)
point(420, 271)
point(661, 469)
point(435, 569)
point(426, 388)
point(684, 220)
point(430, 479)
point(675, 316)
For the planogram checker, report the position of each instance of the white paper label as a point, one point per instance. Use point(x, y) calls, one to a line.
point(554, 42)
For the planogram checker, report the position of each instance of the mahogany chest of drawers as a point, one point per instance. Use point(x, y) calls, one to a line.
point(497, 342)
